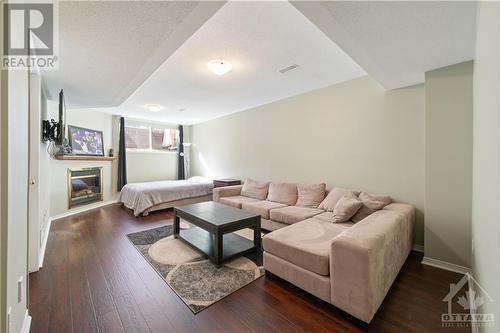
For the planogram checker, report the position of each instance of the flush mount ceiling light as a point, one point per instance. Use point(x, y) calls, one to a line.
point(219, 66)
point(153, 107)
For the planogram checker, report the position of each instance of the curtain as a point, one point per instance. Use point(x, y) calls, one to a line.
point(122, 161)
point(180, 151)
point(169, 140)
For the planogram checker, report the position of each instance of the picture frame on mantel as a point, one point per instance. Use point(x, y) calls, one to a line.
point(85, 141)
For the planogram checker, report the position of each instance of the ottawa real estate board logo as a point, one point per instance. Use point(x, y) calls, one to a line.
point(30, 35)
point(467, 301)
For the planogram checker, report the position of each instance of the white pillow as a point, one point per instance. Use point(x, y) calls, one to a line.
point(199, 179)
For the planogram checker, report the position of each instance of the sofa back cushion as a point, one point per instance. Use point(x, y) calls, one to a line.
point(371, 203)
point(285, 193)
point(334, 196)
point(310, 195)
point(255, 189)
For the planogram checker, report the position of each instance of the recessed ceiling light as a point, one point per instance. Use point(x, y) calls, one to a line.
point(219, 66)
point(181, 109)
point(153, 107)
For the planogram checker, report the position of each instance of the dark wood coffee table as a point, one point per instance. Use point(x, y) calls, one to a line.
point(214, 232)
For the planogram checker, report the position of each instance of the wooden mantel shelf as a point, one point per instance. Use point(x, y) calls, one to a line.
point(84, 158)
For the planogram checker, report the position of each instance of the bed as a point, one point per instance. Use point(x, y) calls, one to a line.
point(146, 197)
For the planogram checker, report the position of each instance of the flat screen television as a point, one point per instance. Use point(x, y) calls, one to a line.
point(60, 126)
point(54, 130)
point(85, 141)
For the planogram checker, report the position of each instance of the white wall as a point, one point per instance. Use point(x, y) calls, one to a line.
point(448, 156)
point(486, 165)
point(44, 180)
point(39, 190)
point(354, 134)
point(3, 189)
point(17, 198)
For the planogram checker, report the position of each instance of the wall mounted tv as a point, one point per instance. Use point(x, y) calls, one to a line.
point(54, 130)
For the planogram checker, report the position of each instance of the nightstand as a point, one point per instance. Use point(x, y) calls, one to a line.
point(226, 182)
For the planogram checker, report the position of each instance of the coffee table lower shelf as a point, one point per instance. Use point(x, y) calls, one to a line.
point(202, 240)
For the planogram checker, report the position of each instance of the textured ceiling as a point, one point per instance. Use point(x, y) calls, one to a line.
point(259, 39)
point(121, 55)
point(108, 48)
point(397, 42)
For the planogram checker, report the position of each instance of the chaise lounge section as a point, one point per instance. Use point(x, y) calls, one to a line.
point(346, 248)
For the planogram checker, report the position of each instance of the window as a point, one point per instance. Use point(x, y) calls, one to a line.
point(137, 137)
point(150, 137)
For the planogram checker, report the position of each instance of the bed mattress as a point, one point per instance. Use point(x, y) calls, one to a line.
point(141, 196)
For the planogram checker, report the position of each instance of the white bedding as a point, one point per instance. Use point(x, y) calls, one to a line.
point(141, 196)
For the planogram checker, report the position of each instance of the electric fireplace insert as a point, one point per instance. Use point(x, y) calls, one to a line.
point(84, 186)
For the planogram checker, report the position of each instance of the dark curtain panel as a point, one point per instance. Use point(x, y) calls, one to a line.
point(122, 160)
point(180, 168)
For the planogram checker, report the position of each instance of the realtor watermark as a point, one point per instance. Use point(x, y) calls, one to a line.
point(30, 35)
point(471, 301)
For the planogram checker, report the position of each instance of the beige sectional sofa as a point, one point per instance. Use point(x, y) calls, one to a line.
point(349, 264)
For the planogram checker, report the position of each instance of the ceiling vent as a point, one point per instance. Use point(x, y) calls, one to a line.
point(289, 68)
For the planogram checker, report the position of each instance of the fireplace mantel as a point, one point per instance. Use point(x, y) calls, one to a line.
point(84, 158)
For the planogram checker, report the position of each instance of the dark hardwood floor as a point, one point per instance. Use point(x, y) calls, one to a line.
point(93, 280)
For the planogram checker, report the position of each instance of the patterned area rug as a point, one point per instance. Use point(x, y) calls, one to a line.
point(192, 276)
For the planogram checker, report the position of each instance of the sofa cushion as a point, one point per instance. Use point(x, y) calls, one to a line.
point(310, 195)
point(328, 217)
point(334, 196)
point(305, 244)
point(261, 207)
point(269, 225)
point(285, 193)
point(371, 203)
point(255, 189)
point(293, 214)
point(236, 200)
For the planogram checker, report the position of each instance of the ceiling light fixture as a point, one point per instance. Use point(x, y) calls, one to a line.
point(219, 66)
point(153, 107)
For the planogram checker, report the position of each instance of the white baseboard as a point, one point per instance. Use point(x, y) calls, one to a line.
point(445, 265)
point(83, 209)
point(418, 248)
point(41, 255)
point(26, 323)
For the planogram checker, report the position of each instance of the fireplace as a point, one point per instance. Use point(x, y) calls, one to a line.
point(84, 186)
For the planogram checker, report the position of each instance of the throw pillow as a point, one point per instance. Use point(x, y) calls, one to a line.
point(345, 208)
point(371, 203)
point(333, 197)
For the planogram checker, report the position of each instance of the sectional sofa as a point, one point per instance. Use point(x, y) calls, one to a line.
point(346, 247)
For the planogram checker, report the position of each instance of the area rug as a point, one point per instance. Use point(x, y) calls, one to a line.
point(189, 273)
